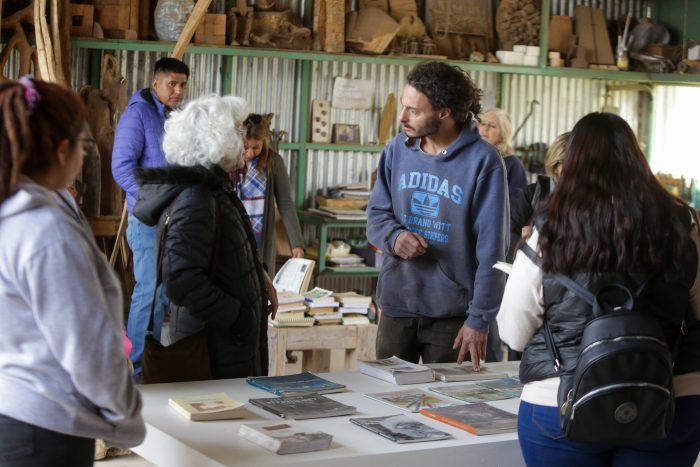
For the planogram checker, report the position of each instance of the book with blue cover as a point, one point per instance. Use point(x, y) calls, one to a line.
point(295, 385)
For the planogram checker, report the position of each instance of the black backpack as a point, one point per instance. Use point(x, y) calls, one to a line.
point(621, 388)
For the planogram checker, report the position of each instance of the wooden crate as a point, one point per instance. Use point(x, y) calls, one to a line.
point(212, 30)
point(119, 18)
point(325, 348)
point(81, 20)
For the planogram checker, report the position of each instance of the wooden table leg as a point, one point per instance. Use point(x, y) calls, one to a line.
point(277, 348)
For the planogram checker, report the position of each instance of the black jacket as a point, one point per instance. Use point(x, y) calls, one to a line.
point(523, 208)
point(666, 296)
point(227, 292)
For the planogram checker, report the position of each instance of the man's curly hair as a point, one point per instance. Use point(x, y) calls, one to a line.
point(447, 86)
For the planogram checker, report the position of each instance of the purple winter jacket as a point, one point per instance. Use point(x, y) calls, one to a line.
point(138, 141)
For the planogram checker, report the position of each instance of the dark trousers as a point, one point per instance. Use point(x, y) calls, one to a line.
point(25, 445)
point(412, 339)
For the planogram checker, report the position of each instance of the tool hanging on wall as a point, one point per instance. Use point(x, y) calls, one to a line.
point(533, 102)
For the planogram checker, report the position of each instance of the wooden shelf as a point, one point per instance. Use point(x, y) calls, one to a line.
point(156, 46)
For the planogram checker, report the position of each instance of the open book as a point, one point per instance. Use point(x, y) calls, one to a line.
point(294, 275)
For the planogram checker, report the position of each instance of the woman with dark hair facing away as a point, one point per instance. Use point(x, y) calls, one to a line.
point(211, 268)
point(262, 182)
point(607, 220)
point(64, 380)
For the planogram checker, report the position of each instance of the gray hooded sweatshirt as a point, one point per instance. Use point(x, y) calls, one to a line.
point(62, 363)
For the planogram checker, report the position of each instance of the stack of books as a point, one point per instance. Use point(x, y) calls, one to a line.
point(321, 306)
point(341, 214)
point(291, 311)
point(397, 371)
point(354, 307)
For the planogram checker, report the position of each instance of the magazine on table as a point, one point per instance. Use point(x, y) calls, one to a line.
point(472, 393)
point(478, 419)
point(285, 437)
point(412, 400)
point(449, 372)
point(401, 429)
point(303, 407)
point(396, 370)
point(292, 385)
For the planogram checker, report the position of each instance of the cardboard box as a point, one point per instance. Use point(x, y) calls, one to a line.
point(561, 29)
point(212, 30)
point(592, 32)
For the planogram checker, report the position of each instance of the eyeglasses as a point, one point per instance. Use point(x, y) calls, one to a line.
point(253, 119)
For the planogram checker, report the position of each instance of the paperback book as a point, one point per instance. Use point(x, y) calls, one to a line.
point(208, 407)
point(303, 407)
point(397, 371)
point(401, 429)
point(412, 400)
point(478, 419)
point(472, 393)
point(449, 372)
point(512, 386)
point(286, 437)
point(294, 385)
point(294, 275)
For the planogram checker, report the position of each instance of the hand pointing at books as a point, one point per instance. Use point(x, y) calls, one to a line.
point(472, 342)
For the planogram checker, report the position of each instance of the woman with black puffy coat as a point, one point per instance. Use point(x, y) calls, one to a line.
point(211, 268)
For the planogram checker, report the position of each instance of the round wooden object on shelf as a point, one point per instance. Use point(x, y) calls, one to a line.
point(517, 22)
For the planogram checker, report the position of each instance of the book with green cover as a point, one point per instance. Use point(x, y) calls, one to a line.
point(512, 386)
point(472, 393)
point(412, 400)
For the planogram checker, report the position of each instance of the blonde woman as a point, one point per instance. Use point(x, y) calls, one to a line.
point(497, 128)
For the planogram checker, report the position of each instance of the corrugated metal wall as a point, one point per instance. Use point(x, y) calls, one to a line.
point(613, 8)
point(269, 85)
point(562, 102)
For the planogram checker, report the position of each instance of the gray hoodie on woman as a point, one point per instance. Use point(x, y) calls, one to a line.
point(62, 363)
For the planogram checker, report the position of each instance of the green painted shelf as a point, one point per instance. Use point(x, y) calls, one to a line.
point(155, 46)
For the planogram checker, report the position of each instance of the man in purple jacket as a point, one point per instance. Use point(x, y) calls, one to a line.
point(138, 143)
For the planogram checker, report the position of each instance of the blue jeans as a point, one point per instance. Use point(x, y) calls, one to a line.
point(143, 241)
point(543, 443)
point(25, 445)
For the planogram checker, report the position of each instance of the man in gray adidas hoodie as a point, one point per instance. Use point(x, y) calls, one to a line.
point(439, 210)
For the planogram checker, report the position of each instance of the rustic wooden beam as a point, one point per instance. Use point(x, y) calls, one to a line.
point(200, 9)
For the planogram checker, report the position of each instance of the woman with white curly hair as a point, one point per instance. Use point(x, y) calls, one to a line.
point(210, 268)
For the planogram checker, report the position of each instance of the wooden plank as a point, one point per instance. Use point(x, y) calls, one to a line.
point(277, 350)
point(104, 226)
point(329, 337)
point(200, 9)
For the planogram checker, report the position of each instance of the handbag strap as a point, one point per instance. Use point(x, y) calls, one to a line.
point(213, 260)
point(548, 338)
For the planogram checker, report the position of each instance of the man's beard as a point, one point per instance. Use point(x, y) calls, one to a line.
point(430, 128)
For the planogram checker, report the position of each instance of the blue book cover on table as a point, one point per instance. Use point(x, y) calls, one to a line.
point(298, 384)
